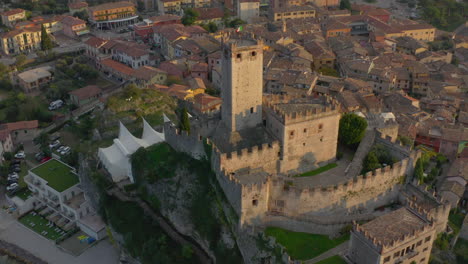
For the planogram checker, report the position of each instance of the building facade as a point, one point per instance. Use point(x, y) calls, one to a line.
point(9, 18)
point(21, 40)
point(113, 15)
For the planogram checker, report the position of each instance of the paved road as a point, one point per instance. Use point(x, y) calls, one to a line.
point(13, 232)
point(339, 250)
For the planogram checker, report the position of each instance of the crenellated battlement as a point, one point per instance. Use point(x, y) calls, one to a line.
point(318, 108)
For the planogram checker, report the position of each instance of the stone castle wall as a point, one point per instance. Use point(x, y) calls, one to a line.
point(263, 157)
point(369, 191)
point(181, 141)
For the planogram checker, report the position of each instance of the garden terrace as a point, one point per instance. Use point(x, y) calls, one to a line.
point(58, 175)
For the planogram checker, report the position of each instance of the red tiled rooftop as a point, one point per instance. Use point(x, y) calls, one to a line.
point(20, 125)
point(95, 42)
point(12, 12)
point(209, 13)
point(86, 92)
point(117, 66)
point(78, 5)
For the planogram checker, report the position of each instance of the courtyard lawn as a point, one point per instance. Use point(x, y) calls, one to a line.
point(303, 246)
point(39, 224)
point(22, 174)
point(24, 194)
point(333, 260)
point(319, 170)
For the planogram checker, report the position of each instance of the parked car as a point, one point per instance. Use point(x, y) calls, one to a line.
point(20, 155)
point(54, 144)
point(45, 159)
point(65, 150)
point(15, 169)
point(12, 187)
point(55, 105)
point(13, 176)
point(61, 148)
point(39, 156)
point(16, 161)
point(9, 182)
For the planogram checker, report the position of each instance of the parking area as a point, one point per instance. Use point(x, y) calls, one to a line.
point(77, 243)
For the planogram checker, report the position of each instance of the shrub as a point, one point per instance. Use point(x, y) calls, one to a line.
point(352, 129)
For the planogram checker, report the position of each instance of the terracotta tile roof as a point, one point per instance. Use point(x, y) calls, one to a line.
point(203, 102)
point(12, 12)
point(95, 42)
point(86, 92)
point(77, 5)
point(147, 72)
point(209, 13)
point(117, 66)
point(72, 21)
point(165, 18)
point(20, 125)
point(16, 32)
point(200, 67)
point(107, 6)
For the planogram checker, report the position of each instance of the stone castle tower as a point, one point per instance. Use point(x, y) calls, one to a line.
point(242, 88)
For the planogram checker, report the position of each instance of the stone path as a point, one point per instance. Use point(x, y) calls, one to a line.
point(355, 167)
point(338, 250)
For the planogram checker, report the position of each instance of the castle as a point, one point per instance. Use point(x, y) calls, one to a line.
point(260, 142)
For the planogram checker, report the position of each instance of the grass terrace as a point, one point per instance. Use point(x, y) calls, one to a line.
point(24, 194)
point(304, 246)
point(318, 171)
point(39, 225)
point(333, 260)
point(57, 174)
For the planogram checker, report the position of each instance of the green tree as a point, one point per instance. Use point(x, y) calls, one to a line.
point(419, 171)
point(21, 60)
point(211, 27)
point(184, 121)
point(235, 23)
point(352, 129)
point(187, 251)
point(345, 4)
point(46, 42)
point(371, 162)
point(190, 16)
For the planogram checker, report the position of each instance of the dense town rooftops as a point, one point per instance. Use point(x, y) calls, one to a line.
point(209, 13)
point(72, 21)
point(107, 6)
point(58, 175)
point(147, 72)
point(117, 66)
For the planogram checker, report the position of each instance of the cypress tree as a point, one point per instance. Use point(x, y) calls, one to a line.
point(46, 42)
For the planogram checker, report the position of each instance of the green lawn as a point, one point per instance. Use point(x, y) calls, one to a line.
point(22, 174)
point(333, 260)
point(58, 175)
point(24, 194)
point(40, 225)
point(318, 171)
point(303, 246)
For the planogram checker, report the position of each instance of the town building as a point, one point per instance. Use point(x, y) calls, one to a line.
point(292, 12)
point(402, 236)
point(73, 27)
point(6, 144)
point(22, 40)
point(77, 7)
point(210, 15)
point(21, 131)
point(9, 18)
point(85, 95)
point(170, 7)
point(248, 10)
point(113, 15)
point(56, 186)
point(32, 80)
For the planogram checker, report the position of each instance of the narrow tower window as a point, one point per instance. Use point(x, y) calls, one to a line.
point(239, 56)
point(254, 53)
point(251, 110)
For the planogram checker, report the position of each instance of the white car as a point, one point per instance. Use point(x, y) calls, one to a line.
point(20, 155)
point(13, 177)
point(61, 148)
point(13, 174)
point(12, 187)
point(66, 150)
point(54, 144)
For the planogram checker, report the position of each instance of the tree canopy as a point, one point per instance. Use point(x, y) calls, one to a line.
point(345, 4)
point(352, 129)
point(184, 121)
point(46, 42)
point(190, 16)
